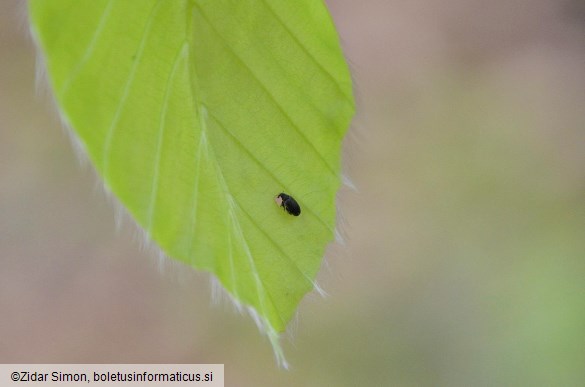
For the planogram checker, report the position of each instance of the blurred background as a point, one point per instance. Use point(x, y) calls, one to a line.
point(465, 255)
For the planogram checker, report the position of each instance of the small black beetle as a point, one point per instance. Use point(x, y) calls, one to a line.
point(288, 203)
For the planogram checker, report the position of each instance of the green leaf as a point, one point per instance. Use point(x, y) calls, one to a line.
point(196, 114)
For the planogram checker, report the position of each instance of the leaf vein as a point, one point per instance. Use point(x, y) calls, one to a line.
point(267, 91)
point(263, 166)
point(160, 137)
point(236, 228)
point(311, 56)
point(88, 50)
point(113, 125)
point(195, 200)
point(267, 236)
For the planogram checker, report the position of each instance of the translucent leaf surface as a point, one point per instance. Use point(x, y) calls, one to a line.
point(196, 114)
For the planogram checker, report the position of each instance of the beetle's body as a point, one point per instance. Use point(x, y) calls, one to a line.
point(288, 203)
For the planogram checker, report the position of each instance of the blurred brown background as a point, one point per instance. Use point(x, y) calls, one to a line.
point(465, 260)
